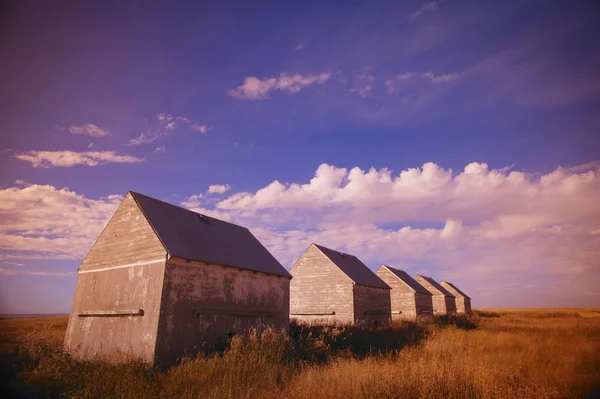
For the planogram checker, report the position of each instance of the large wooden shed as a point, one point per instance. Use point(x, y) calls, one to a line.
point(443, 301)
point(333, 286)
point(463, 302)
point(162, 281)
point(409, 299)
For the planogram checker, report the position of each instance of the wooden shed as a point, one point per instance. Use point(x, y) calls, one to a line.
point(333, 286)
point(161, 281)
point(409, 299)
point(463, 302)
point(443, 301)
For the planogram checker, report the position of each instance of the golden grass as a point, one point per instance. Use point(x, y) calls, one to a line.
point(546, 353)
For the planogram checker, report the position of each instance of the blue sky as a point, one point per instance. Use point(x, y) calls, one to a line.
point(168, 100)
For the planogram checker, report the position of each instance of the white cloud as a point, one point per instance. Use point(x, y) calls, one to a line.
point(490, 224)
point(17, 264)
point(20, 182)
point(165, 125)
point(444, 78)
point(200, 128)
point(91, 145)
point(143, 138)
point(478, 226)
point(160, 149)
point(46, 159)
point(428, 7)
point(393, 84)
point(193, 201)
point(88, 129)
point(363, 83)
point(219, 188)
point(43, 222)
point(257, 89)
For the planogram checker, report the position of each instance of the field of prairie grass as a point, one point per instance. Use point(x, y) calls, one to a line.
point(496, 353)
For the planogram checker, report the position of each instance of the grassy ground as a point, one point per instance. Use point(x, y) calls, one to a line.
point(509, 353)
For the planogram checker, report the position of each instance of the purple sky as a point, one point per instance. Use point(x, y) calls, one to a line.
point(457, 139)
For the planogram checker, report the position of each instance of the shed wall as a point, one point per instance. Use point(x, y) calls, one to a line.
point(371, 305)
point(450, 305)
point(127, 238)
point(203, 304)
point(319, 288)
point(403, 303)
point(424, 304)
point(122, 272)
point(116, 337)
point(463, 305)
point(439, 304)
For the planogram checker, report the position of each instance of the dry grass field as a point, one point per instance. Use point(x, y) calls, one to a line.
point(509, 353)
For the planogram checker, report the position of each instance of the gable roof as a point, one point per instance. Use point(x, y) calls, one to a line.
point(353, 268)
point(408, 280)
point(436, 285)
point(190, 235)
point(452, 286)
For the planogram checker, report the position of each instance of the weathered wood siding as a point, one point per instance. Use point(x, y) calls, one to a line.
point(203, 304)
point(463, 305)
point(319, 288)
point(127, 238)
point(441, 303)
point(450, 305)
point(467, 305)
point(424, 304)
point(403, 300)
point(114, 337)
point(371, 305)
point(123, 272)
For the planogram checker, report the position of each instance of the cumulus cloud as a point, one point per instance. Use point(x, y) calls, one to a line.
point(88, 129)
point(44, 222)
point(478, 226)
point(219, 188)
point(46, 159)
point(254, 88)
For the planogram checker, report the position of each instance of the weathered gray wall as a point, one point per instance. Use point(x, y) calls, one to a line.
point(116, 337)
point(424, 304)
point(463, 305)
point(123, 271)
point(450, 305)
point(441, 303)
point(403, 303)
point(371, 305)
point(318, 288)
point(202, 304)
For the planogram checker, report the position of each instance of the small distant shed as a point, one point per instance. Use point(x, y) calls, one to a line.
point(332, 286)
point(409, 298)
point(443, 301)
point(161, 281)
point(463, 301)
